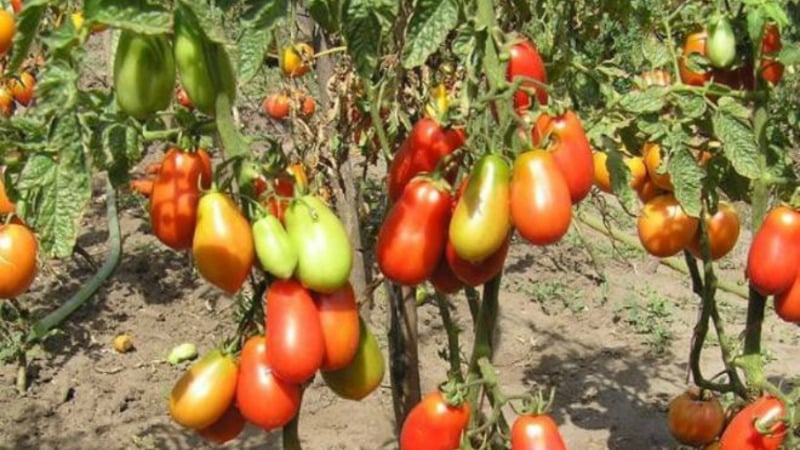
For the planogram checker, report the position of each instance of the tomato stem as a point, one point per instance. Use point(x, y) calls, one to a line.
point(453, 351)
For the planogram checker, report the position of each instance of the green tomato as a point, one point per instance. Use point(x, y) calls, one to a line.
point(721, 44)
point(144, 74)
point(273, 247)
point(364, 374)
point(482, 218)
point(324, 255)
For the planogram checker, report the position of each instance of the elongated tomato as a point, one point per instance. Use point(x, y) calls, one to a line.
point(664, 228)
point(571, 151)
point(525, 62)
point(772, 263)
point(433, 424)
point(540, 202)
point(338, 315)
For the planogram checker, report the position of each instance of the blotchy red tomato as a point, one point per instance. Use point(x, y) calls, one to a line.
point(695, 420)
point(664, 228)
point(434, 425)
point(205, 392)
point(338, 316)
point(775, 252)
point(695, 43)
point(176, 193)
point(771, 70)
point(475, 274)
point(226, 428)
point(536, 432)
point(768, 414)
point(525, 61)
point(412, 238)
point(18, 250)
point(294, 331)
point(541, 208)
point(264, 399)
point(570, 149)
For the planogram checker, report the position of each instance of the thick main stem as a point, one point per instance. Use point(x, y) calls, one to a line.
point(453, 350)
point(403, 352)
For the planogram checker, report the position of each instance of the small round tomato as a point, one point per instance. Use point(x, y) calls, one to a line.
point(775, 252)
point(602, 176)
point(653, 162)
point(536, 432)
point(766, 415)
point(296, 59)
point(277, 106)
point(338, 317)
point(541, 207)
point(723, 232)
point(226, 428)
point(695, 43)
point(695, 419)
point(205, 392)
point(8, 29)
point(664, 228)
point(307, 105)
point(434, 424)
point(18, 250)
point(22, 88)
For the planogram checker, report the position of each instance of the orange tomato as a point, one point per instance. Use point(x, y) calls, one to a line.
point(648, 191)
point(6, 102)
point(338, 315)
point(22, 88)
point(296, 60)
point(18, 249)
point(307, 106)
point(723, 232)
point(205, 392)
point(602, 177)
point(664, 228)
point(8, 29)
point(652, 160)
point(6, 206)
point(695, 43)
point(276, 106)
point(541, 207)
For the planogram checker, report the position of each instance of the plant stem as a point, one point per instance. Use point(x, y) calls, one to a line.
point(43, 326)
point(403, 351)
point(453, 350)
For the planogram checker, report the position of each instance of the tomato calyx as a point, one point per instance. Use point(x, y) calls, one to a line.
point(454, 392)
point(536, 404)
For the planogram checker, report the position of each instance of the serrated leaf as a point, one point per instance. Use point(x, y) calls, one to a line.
point(141, 16)
point(654, 128)
point(57, 88)
point(464, 41)
point(738, 144)
point(429, 26)
point(648, 101)
point(687, 178)
point(620, 179)
point(755, 24)
point(734, 108)
point(209, 19)
point(27, 23)
point(656, 52)
point(362, 32)
point(256, 36)
point(326, 13)
point(692, 106)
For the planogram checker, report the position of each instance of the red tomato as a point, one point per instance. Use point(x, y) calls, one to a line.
point(570, 149)
point(294, 331)
point(536, 432)
point(540, 202)
point(443, 279)
point(664, 228)
point(694, 420)
point(18, 249)
point(278, 202)
point(183, 98)
point(264, 399)
point(695, 43)
point(338, 316)
point(276, 106)
point(775, 252)
point(787, 303)
point(412, 238)
point(434, 425)
point(771, 70)
point(766, 413)
point(474, 274)
point(176, 193)
point(226, 428)
point(17, 5)
point(723, 232)
point(525, 61)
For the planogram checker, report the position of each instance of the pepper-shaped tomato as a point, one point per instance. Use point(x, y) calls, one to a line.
point(144, 73)
point(474, 274)
point(264, 399)
point(175, 195)
point(338, 317)
point(205, 392)
point(571, 150)
point(483, 210)
point(294, 331)
point(536, 432)
point(365, 371)
point(766, 415)
point(434, 424)
point(421, 152)
point(664, 228)
point(541, 208)
point(526, 62)
point(223, 242)
point(412, 238)
point(774, 257)
point(695, 43)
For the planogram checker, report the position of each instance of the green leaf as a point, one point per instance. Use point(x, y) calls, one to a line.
point(687, 178)
point(141, 16)
point(738, 143)
point(693, 106)
point(209, 19)
point(256, 36)
point(464, 41)
point(620, 178)
point(326, 13)
point(27, 29)
point(790, 55)
point(57, 89)
point(655, 52)
point(428, 28)
point(362, 32)
point(734, 108)
point(649, 101)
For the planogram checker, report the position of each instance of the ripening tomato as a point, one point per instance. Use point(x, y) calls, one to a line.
point(6, 205)
point(278, 201)
point(443, 279)
point(205, 392)
point(540, 202)
point(787, 303)
point(723, 232)
point(695, 43)
point(296, 59)
point(175, 195)
point(307, 105)
point(474, 274)
point(7, 105)
point(664, 228)
point(293, 331)
point(526, 62)
point(264, 399)
point(775, 252)
point(412, 238)
point(434, 424)
point(183, 98)
point(771, 70)
point(653, 162)
point(16, 5)
point(571, 150)
point(223, 242)
point(338, 317)
point(536, 432)
point(695, 418)
point(22, 88)
point(649, 191)
point(276, 106)
point(8, 29)
point(18, 250)
point(482, 210)
point(226, 428)
point(602, 176)
point(742, 433)
point(273, 247)
point(363, 374)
